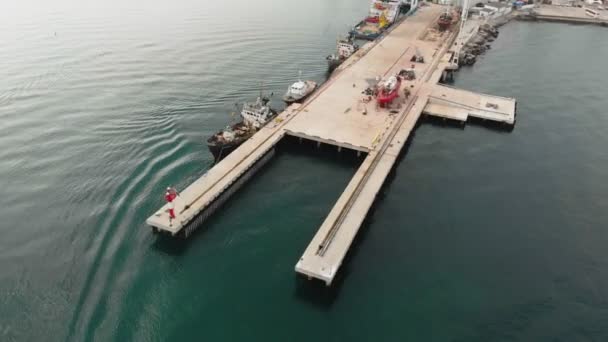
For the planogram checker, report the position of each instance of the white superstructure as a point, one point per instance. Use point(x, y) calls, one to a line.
point(346, 48)
point(257, 114)
point(297, 89)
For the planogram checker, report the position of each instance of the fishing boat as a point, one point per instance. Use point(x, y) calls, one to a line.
point(299, 91)
point(259, 113)
point(344, 49)
point(227, 140)
point(382, 14)
point(388, 91)
point(253, 117)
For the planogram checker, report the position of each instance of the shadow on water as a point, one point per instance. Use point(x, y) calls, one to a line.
point(323, 152)
point(471, 121)
point(178, 245)
point(171, 245)
point(315, 291)
point(439, 122)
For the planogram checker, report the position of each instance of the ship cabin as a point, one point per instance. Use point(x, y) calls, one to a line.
point(256, 114)
point(346, 49)
point(298, 88)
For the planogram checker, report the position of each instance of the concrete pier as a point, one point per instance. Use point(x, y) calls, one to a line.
point(339, 114)
point(457, 104)
point(566, 14)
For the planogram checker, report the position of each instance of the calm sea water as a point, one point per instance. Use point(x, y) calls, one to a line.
point(480, 235)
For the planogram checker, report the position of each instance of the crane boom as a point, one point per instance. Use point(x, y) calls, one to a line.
point(465, 14)
point(463, 19)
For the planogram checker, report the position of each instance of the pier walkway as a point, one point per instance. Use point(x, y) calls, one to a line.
point(458, 104)
point(340, 114)
point(567, 14)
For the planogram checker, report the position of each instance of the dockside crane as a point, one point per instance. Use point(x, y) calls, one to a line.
point(464, 15)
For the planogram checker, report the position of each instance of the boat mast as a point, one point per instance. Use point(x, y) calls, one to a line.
point(233, 114)
point(261, 89)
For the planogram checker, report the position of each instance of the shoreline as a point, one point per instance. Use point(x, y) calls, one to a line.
point(560, 19)
point(564, 14)
point(488, 31)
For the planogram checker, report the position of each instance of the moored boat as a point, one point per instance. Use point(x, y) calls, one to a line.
point(258, 113)
point(344, 49)
point(254, 116)
point(299, 91)
point(382, 14)
point(227, 140)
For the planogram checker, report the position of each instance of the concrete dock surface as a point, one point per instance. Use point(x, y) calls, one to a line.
point(458, 104)
point(336, 116)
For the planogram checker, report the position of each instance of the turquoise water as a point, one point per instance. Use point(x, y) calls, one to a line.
point(479, 235)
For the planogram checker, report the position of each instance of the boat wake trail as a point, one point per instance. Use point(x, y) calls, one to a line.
point(153, 147)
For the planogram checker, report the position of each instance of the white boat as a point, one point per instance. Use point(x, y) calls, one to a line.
point(299, 91)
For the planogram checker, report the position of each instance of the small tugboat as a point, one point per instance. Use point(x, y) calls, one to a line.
point(345, 48)
point(388, 91)
point(299, 91)
point(254, 116)
point(445, 20)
